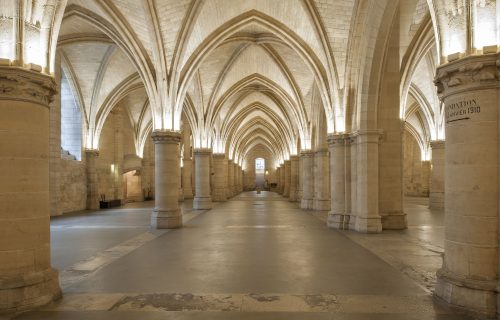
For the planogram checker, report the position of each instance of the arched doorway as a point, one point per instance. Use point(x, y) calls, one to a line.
point(133, 186)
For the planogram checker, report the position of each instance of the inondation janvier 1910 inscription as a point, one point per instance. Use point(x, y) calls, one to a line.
point(461, 110)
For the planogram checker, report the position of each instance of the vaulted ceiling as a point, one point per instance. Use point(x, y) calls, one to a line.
point(242, 74)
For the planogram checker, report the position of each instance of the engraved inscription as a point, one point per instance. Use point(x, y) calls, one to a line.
point(462, 110)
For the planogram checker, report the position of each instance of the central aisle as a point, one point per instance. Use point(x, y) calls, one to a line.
point(253, 257)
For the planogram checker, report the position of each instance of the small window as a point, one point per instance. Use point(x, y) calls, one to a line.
point(71, 122)
point(260, 164)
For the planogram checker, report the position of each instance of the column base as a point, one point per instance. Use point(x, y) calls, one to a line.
point(368, 225)
point(299, 196)
point(338, 221)
point(166, 219)
point(307, 204)
point(188, 195)
point(321, 205)
point(473, 296)
point(202, 203)
point(29, 291)
point(394, 221)
point(219, 195)
point(436, 200)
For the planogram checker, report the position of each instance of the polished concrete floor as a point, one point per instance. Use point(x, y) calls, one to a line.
point(253, 257)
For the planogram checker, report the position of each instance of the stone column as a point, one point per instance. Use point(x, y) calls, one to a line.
point(93, 196)
point(368, 219)
point(470, 89)
point(286, 191)
point(166, 214)
point(230, 178)
point(294, 177)
point(187, 168)
point(220, 178)
point(321, 180)
point(282, 179)
point(436, 194)
point(27, 279)
point(337, 217)
point(307, 179)
point(202, 199)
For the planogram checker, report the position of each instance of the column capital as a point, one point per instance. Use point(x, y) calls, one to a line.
point(294, 157)
point(469, 73)
point(25, 85)
point(220, 156)
point(336, 139)
point(437, 144)
point(202, 151)
point(167, 137)
point(366, 136)
point(92, 152)
point(307, 154)
point(321, 152)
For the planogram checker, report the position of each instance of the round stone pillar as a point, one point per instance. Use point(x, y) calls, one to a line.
point(294, 178)
point(336, 217)
point(166, 214)
point(469, 88)
point(27, 279)
point(286, 191)
point(202, 199)
point(321, 180)
point(436, 192)
point(307, 179)
point(220, 178)
point(91, 156)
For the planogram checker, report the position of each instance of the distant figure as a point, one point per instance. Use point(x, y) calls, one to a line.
point(258, 190)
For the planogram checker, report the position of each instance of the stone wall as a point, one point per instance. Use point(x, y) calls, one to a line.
point(416, 173)
point(72, 186)
point(249, 165)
